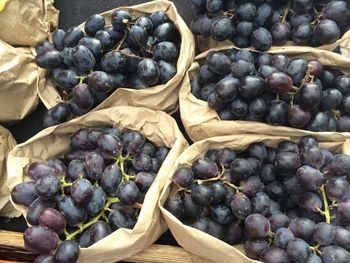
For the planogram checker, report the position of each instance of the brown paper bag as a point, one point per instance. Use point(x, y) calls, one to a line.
point(25, 23)
point(19, 79)
point(161, 97)
point(205, 43)
point(200, 121)
point(196, 241)
point(7, 143)
point(156, 126)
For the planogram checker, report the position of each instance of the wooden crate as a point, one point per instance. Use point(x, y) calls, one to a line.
point(12, 249)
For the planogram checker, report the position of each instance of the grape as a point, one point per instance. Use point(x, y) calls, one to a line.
point(74, 214)
point(132, 141)
point(203, 168)
point(161, 154)
point(342, 83)
point(45, 259)
point(239, 108)
point(313, 258)
point(24, 193)
point(277, 113)
point(335, 254)
point(79, 140)
point(309, 96)
point(144, 181)
point(142, 162)
point(241, 168)
point(99, 230)
point(76, 169)
point(344, 209)
point(100, 81)
point(278, 82)
point(93, 24)
point(219, 192)
point(110, 144)
point(118, 18)
point(166, 32)
point(105, 39)
point(310, 202)
point(97, 201)
point(254, 248)
point(166, 71)
point(298, 117)
point(43, 47)
point(93, 44)
point(336, 11)
point(191, 209)
point(324, 234)
point(282, 237)
point(233, 233)
point(257, 226)
point(85, 239)
point(222, 214)
point(242, 68)
point(83, 58)
point(83, 96)
point(47, 187)
point(278, 220)
point(337, 188)
point(339, 165)
point(302, 34)
point(261, 203)
point(245, 29)
point(146, 23)
point(49, 60)
point(226, 89)
point(81, 191)
point(202, 194)
point(342, 238)
point(261, 39)
point(312, 156)
point(281, 32)
point(309, 178)
point(72, 36)
point(214, 6)
point(221, 28)
point(298, 250)
point(297, 19)
point(274, 255)
point(302, 6)
point(246, 12)
point(52, 219)
point(40, 239)
point(201, 224)
point(327, 31)
point(302, 228)
point(183, 177)
point(67, 252)
point(218, 63)
point(215, 229)
point(263, 15)
point(94, 165)
point(128, 192)
point(251, 86)
point(315, 67)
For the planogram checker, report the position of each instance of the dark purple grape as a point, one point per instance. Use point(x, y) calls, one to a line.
point(57, 39)
point(74, 214)
point(241, 206)
point(337, 11)
point(251, 86)
point(241, 68)
point(40, 239)
point(81, 191)
point(261, 203)
point(251, 185)
point(218, 63)
point(47, 187)
point(222, 214)
point(219, 192)
point(72, 36)
point(43, 47)
point(309, 96)
point(277, 112)
point(327, 31)
point(94, 165)
point(76, 169)
point(203, 168)
point(110, 144)
point(310, 202)
point(302, 228)
point(246, 11)
point(67, 252)
point(49, 60)
point(233, 233)
point(166, 71)
point(339, 165)
point(257, 226)
point(335, 254)
point(278, 220)
point(119, 219)
point(342, 238)
point(215, 229)
point(297, 19)
point(261, 39)
point(254, 247)
point(241, 168)
point(24, 193)
point(99, 230)
point(83, 96)
point(309, 178)
point(226, 89)
point(128, 192)
point(175, 206)
point(245, 29)
point(142, 162)
point(52, 219)
point(278, 82)
point(222, 28)
point(302, 34)
point(202, 194)
point(298, 117)
point(144, 181)
point(263, 15)
point(45, 259)
point(324, 234)
point(298, 250)
point(100, 81)
point(120, 18)
point(97, 201)
point(281, 32)
point(343, 124)
point(282, 237)
point(337, 188)
point(183, 177)
point(191, 209)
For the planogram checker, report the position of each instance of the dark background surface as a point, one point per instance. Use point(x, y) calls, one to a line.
point(72, 13)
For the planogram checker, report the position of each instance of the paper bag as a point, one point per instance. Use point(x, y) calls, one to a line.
point(156, 126)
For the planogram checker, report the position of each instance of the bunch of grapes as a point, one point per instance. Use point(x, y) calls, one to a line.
point(241, 85)
point(96, 188)
point(262, 23)
point(86, 68)
point(286, 204)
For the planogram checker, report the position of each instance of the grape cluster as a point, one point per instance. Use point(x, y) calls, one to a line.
point(287, 204)
point(86, 68)
point(96, 188)
point(242, 85)
point(261, 23)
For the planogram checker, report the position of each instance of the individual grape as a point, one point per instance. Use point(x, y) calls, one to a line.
point(219, 192)
point(309, 96)
point(310, 202)
point(83, 96)
point(191, 209)
point(302, 228)
point(275, 190)
point(100, 81)
point(302, 34)
point(175, 206)
point(242, 68)
point(251, 86)
point(222, 214)
point(278, 220)
point(47, 187)
point(297, 19)
point(158, 18)
point(281, 32)
point(146, 23)
point(49, 60)
point(241, 168)
point(298, 250)
point(302, 6)
point(278, 82)
point(110, 144)
point(266, 70)
point(257, 226)
point(261, 203)
point(298, 117)
point(35, 208)
point(315, 67)
point(309, 178)
point(274, 255)
point(52, 219)
point(137, 37)
point(142, 162)
point(337, 188)
point(214, 6)
point(24, 193)
point(339, 165)
point(336, 11)
point(40, 239)
point(74, 214)
point(203, 168)
point(43, 47)
point(342, 238)
point(345, 105)
point(119, 17)
point(67, 252)
point(282, 237)
point(83, 58)
point(222, 28)
point(327, 31)
point(128, 192)
point(94, 165)
point(76, 169)
point(97, 201)
point(261, 39)
point(263, 15)
point(246, 11)
point(166, 32)
point(254, 247)
point(144, 181)
point(312, 156)
point(288, 162)
point(64, 79)
point(207, 90)
point(319, 122)
point(263, 60)
point(239, 108)
point(215, 229)
point(313, 258)
point(342, 83)
point(277, 113)
point(166, 71)
point(226, 89)
point(324, 234)
point(99, 230)
point(201, 224)
point(148, 71)
point(344, 209)
point(268, 173)
point(57, 39)
point(245, 28)
point(202, 194)
point(335, 254)
point(93, 24)
point(45, 259)
point(183, 177)
point(81, 191)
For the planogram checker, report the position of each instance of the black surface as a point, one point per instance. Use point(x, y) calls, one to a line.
point(73, 13)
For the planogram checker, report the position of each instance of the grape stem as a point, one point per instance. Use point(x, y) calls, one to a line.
point(286, 11)
point(82, 227)
point(326, 212)
point(121, 42)
point(315, 249)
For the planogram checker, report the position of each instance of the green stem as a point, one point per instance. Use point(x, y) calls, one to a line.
point(315, 249)
point(82, 227)
point(286, 11)
point(237, 188)
point(326, 212)
point(216, 178)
